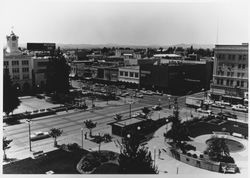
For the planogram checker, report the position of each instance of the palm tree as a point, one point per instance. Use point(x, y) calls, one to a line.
point(135, 159)
point(146, 111)
point(6, 146)
point(217, 149)
point(54, 132)
point(90, 125)
point(118, 117)
point(99, 139)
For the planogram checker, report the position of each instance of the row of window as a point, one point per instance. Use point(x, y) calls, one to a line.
point(16, 63)
point(240, 66)
point(230, 82)
point(17, 77)
point(130, 74)
point(232, 56)
point(16, 70)
point(239, 74)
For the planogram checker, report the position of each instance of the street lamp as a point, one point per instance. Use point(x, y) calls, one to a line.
point(169, 102)
point(82, 136)
point(128, 136)
point(28, 120)
point(159, 101)
point(159, 114)
point(177, 168)
point(138, 128)
point(130, 103)
point(154, 155)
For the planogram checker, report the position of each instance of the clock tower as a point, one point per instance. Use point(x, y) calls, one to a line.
point(12, 44)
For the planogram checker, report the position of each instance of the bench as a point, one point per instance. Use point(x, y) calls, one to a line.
point(38, 154)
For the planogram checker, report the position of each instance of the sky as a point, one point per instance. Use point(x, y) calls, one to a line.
point(126, 22)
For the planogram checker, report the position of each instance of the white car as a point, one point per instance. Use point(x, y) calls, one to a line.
point(209, 112)
point(223, 103)
point(240, 107)
point(208, 102)
point(139, 95)
point(216, 105)
point(39, 135)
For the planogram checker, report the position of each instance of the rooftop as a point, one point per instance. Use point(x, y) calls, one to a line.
point(128, 121)
point(130, 67)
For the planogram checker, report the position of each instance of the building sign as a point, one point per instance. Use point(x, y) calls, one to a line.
point(41, 46)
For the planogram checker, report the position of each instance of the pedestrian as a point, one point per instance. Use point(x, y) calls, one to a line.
point(85, 135)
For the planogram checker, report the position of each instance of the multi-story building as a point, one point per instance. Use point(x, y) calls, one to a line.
point(129, 74)
point(176, 76)
point(19, 64)
point(230, 76)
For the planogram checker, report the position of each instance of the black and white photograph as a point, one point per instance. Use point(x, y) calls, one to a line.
point(124, 87)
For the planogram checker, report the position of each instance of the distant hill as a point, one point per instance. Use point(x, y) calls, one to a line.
point(90, 46)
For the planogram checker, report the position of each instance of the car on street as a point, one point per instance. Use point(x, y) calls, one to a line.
point(156, 108)
point(139, 114)
point(226, 115)
point(239, 107)
point(139, 95)
point(39, 135)
point(148, 92)
point(216, 105)
point(158, 93)
point(209, 112)
point(209, 102)
point(124, 94)
point(223, 103)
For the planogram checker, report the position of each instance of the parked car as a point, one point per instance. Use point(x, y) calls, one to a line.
point(227, 115)
point(148, 92)
point(209, 112)
point(223, 103)
point(240, 107)
point(156, 108)
point(39, 135)
point(216, 105)
point(209, 102)
point(139, 95)
point(124, 94)
point(158, 93)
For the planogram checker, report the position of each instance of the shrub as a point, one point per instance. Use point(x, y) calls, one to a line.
point(201, 156)
point(73, 147)
point(195, 156)
point(189, 154)
point(107, 137)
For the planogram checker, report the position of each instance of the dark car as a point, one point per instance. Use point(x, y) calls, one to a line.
point(225, 115)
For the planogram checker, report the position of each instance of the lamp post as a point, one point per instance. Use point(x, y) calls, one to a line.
point(28, 120)
point(159, 114)
point(82, 136)
point(177, 168)
point(154, 155)
point(159, 102)
point(169, 102)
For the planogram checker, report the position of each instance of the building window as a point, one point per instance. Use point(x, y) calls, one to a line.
point(218, 81)
point(242, 83)
point(221, 82)
point(239, 66)
point(26, 69)
point(238, 74)
point(232, 74)
point(227, 83)
point(242, 74)
point(16, 77)
point(6, 63)
point(229, 56)
point(136, 75)
point(240, 57)
point(25, 62)
point(121, 73)
point(243, 66)
point(231, 82)
point(238, 83)
point(228, 73)
point(15, 70)
point(25, 76)
point(244, 57)
point(131, 74)
point(233, 57)
point(15, 63)
point(126, 74)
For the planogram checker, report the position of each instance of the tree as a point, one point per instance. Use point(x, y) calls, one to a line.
point(10, 97)
point(57, 74)
point(89, 124)
point(54, 132)
point(135, 159)
point(6, 146)
point(179, 132)
point(217, 149)
point(146, 111)
point(99, 139)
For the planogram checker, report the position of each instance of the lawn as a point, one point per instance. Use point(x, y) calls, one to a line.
point(59, 161)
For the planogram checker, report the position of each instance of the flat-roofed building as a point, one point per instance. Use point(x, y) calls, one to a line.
point(129, 74)
point(230, 76)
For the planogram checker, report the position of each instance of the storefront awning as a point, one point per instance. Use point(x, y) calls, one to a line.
point(234, 97)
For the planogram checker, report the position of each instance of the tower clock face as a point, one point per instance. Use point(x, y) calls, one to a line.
point(13, 38)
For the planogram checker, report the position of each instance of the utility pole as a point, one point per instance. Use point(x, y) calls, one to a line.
point(28, 120)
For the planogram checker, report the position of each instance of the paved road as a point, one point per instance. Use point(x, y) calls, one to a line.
point(72, 122)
